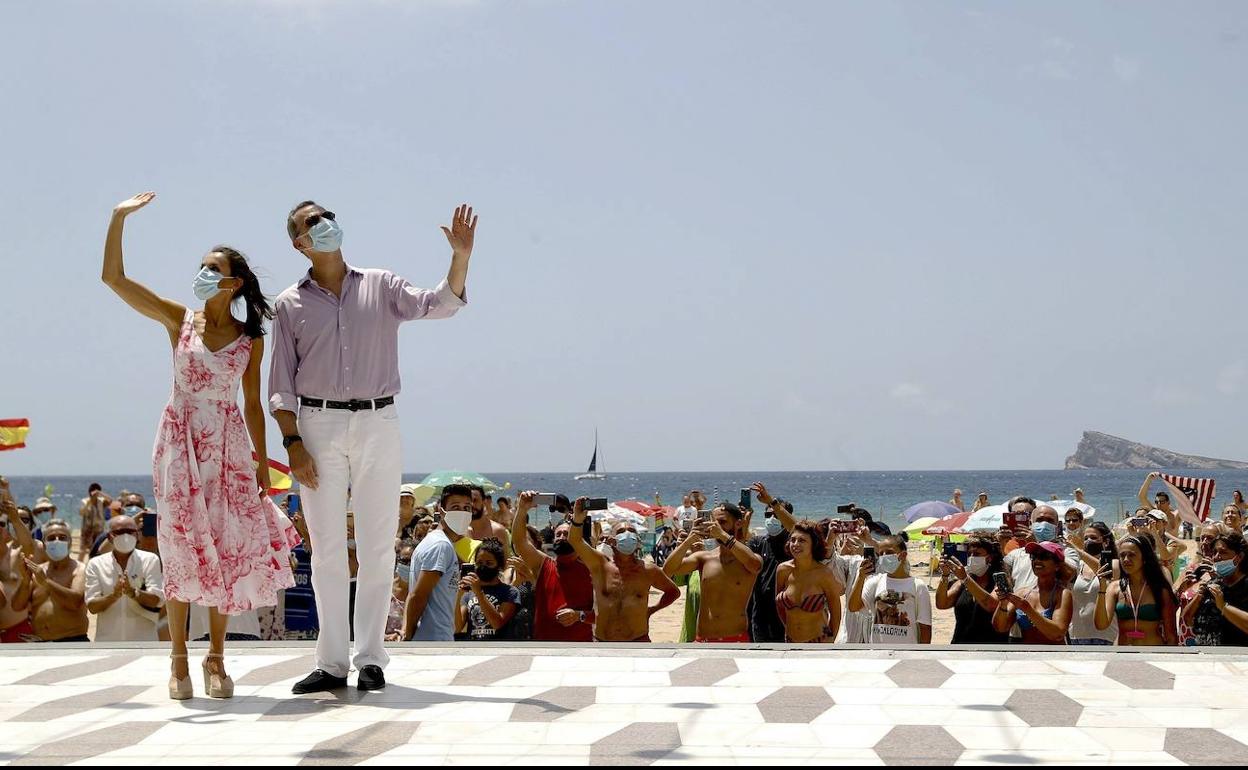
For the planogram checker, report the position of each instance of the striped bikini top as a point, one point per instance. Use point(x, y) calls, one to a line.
point(811, 603)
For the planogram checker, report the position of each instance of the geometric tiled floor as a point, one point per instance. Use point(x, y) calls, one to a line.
point(657, 705)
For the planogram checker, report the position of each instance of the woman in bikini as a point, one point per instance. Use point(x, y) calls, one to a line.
point(1142, 599)
point(808, 593)
point(1043, 612)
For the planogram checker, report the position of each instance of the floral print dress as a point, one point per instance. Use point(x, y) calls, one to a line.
point(221, 544)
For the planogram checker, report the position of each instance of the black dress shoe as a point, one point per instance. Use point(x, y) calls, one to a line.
point(371, 678)
point(319, 681)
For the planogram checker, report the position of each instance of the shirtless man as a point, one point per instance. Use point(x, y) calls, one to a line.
point(15, 580)
point(483, 525)
point(728, 568)
point(92, 514)
point(1161, 503)
point(59, 603)
point(622, 582)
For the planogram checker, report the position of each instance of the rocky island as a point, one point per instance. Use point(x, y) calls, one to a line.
point(1103, 451)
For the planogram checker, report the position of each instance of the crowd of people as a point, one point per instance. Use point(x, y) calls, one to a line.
point(471, 567)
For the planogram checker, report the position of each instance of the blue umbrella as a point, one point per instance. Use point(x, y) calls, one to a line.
point(933, 508)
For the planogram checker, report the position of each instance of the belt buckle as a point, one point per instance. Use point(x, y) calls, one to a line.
point(356, 404)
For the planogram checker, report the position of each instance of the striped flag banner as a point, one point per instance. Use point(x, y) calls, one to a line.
point(13, 434)
point(1190, 496)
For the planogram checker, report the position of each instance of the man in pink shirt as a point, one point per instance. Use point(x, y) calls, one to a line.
point(334, 376)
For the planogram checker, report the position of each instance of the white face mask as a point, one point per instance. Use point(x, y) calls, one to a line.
point(977, 565)
point(888, 563)
point(457, 521)
point(124, 544)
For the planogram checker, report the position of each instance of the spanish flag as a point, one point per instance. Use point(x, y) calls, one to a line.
point(279, 476)
point(13, 434)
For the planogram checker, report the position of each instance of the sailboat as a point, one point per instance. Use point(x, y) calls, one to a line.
point(592, 474)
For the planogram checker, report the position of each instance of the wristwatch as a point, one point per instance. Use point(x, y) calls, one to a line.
point(293, 438)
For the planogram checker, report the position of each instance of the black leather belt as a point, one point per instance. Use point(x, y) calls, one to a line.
point(354, 405)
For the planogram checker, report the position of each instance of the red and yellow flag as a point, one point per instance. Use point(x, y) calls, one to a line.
point(13, 434)
point(279, 476)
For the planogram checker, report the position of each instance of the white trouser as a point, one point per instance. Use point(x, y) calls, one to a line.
point(356, 453)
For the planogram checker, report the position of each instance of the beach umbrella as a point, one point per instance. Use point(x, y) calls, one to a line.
point(988, 517)
point(439, 479)
point(947, 525)
point(933, 509)
point(916, 527)
point(1061, 506)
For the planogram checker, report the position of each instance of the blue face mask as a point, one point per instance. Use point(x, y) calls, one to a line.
point(326, 236)
point(774, 527)
point(627, 542)
point(206, 284)
point(1044, 531)
point(57, 549)
point(1225, 568)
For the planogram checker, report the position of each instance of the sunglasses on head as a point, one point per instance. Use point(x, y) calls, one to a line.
point(315, 219)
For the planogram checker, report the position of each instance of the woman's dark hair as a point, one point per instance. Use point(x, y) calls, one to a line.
point(494, 547)
point(1107, 534)
point(95, 487)
point(995, 559)
point(258, 308)
point(818, 546)
point(1234, 541)
point(1154, 575)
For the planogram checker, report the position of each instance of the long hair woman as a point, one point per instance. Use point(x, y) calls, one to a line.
point(1142, 599)
point(223, 543)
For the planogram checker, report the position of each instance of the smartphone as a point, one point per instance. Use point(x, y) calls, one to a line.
point(596, 504)
point(545, 498)
point(149, 524)
point(747, 499)
point(467, 569)
point(869, 553)
point(846, 508)
point(959, 551)
point(704, 515)
point(292, 504)
point(1139, 521)
point(842, 527)
point(1107, 559)
point(1016, 519)
point(1001, 583)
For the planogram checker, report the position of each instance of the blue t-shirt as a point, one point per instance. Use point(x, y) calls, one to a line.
point(479, 629)
point(436, 554)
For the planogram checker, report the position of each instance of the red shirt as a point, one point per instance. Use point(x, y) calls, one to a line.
point(564, 582)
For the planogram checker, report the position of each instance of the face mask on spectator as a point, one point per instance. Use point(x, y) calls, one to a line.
point(1044, 531)
point(1225, 568)
point(627, 542)
point(457, 521)
point(57, 549)
point(774, 527)
point(888, 563)
point(124, 544)
point(1094, 547)
point(402, 569)
point(977, 565)
point(487, 574)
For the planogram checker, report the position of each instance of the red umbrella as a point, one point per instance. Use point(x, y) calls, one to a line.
point(948, 525)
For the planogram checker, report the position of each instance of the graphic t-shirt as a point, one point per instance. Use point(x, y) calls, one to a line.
point(898, 606)
point(479, 629)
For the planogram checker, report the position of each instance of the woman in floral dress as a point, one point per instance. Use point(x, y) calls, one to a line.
point(223, 543)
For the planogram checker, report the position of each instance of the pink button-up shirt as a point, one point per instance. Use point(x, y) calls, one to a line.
point(346, 348)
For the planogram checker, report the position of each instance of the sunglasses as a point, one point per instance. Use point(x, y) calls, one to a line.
point(315, 219)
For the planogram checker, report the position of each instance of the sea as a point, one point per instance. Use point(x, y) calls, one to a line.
point(887, 494)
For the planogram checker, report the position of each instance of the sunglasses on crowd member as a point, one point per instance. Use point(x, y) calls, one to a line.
point(315, 219)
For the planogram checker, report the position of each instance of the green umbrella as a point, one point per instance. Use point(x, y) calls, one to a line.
point(441, 479)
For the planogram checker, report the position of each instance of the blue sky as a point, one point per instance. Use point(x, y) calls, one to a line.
point(808, 235)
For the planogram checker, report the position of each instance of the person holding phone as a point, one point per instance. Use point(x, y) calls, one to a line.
point(485, 604)
point(1098, 552)
point(1219, 612)
point(1161, 502)
point(900, 604)
point(223, 543)
point(1042, 611)
point(766, 623)
point(728, 570)
point(622, 581)
point(967, 590)
point(563, 608)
